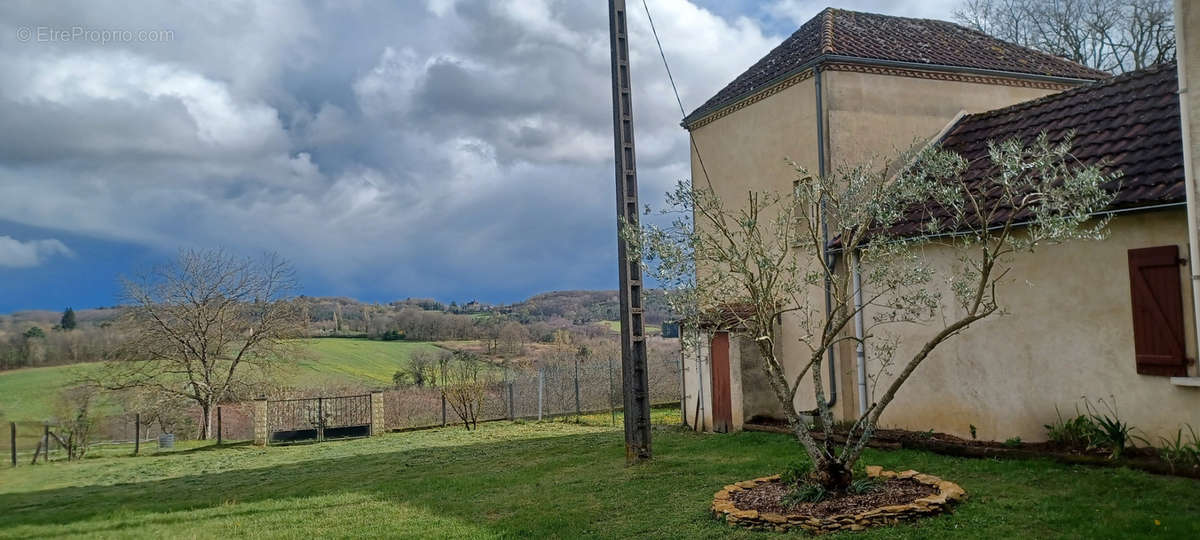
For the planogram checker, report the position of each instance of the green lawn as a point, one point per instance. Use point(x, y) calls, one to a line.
point(29, 394)
point(549, 479)
point(615, 326)
point(343, 360)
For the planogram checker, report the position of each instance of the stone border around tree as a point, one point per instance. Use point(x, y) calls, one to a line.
point(948, 494)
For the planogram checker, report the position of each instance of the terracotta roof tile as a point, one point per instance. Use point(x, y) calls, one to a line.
point(1131, 122)
point(870, 36)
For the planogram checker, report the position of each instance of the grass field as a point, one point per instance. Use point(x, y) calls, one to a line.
point(29, 394)
point(549, 479)
point(340, 361)
point(615, 326)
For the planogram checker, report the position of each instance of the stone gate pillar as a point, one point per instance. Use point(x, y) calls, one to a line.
point(260, 422)
point(378, 424)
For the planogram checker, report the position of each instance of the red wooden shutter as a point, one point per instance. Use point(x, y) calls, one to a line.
point(1157, 311)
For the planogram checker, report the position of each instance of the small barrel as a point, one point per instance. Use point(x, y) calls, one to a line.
point(166, 440)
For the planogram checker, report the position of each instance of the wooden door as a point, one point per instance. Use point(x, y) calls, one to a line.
point(722, 410)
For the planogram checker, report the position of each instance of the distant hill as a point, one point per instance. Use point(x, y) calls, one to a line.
point(579, 307)
point(582, 307)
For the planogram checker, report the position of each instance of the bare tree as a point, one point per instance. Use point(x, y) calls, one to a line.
point(465, 382)
point(748, 264)
point(1109, 35)
point(511, 338)
point(196, 324)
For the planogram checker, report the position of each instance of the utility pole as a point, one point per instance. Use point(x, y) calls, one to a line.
point(633, 336)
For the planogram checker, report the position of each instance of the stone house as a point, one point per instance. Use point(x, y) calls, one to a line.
point(1110, 319)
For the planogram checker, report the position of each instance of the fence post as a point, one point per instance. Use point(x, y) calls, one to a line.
point(261, 434)
point(320, 418)
point(220, 432)
point(541, 385)
point(443, 409)
point(511, 411)
point(611, 408)
point(378, 421)
point(46, 437)
point(682, 382)
point(137, 433)
point(578, 409)
point(12, 426)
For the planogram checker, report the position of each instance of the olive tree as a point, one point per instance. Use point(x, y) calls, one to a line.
point(751, 262)
point(196, 325)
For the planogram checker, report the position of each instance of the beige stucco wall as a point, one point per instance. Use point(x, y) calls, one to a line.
point(872, 116)
point(1068, 334)
point(747, 151)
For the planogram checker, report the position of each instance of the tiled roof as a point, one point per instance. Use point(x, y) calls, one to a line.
point(870, 36)
point(1131, 122)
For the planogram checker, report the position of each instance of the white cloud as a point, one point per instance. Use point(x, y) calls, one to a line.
point(800, 11)
point(17, 254)
point(399, 146)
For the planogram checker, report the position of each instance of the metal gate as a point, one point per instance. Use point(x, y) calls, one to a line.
point(319, 418)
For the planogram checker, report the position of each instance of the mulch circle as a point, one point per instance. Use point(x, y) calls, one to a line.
point(767, 497)
point(907, 495)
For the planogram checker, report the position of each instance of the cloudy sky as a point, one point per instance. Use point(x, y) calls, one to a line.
point(448, 148)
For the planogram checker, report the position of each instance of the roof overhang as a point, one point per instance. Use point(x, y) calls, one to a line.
point(831, 62)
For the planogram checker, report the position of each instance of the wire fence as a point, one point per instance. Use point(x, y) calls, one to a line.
point(536, 392)
point(552, 389)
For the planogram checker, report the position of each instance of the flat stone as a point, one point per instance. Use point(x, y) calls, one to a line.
point(744, 514)
point(887, 474)
point(950, 490)
point(721, 495)
point(931, 500)
point(927, 479)
point(773, 517)
point(907, 474)
point(766, 479)
point(732, 488)
point(723, 506)
point(746, 484)
point(874, 470)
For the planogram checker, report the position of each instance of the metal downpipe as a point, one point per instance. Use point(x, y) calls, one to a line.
point(830, 258)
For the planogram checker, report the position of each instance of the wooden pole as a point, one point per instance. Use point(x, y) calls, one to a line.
point(137, 433)
point(46, 437)
point(12, 427)
point(443, 409)
point(220, 439)
point(541, 384)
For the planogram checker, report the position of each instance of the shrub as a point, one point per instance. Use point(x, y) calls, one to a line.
point(863, 485)
point(805, 493)
point(1178, 452)
point(1111, 432)
point(392, 335)
point(1078, 432)
point(1012, 442)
